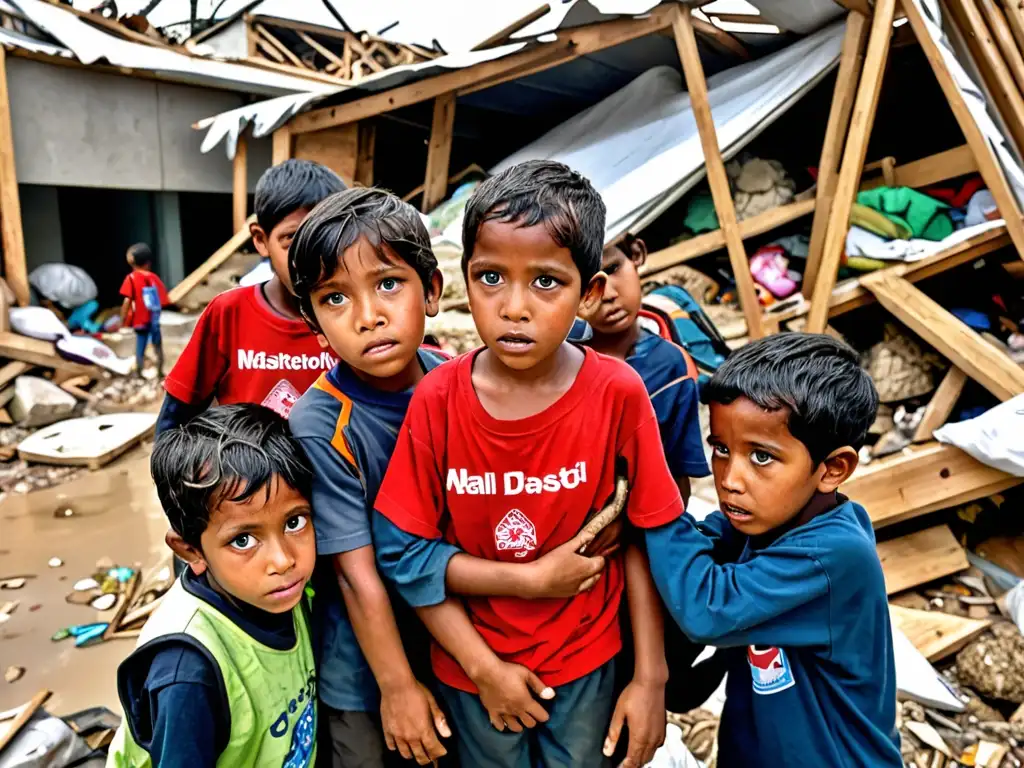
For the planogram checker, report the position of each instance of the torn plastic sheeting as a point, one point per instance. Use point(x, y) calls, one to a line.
point(269, 115)
point(90, 45)
point(18, 40)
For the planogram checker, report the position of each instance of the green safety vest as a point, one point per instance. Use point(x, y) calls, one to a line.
point(271, 693)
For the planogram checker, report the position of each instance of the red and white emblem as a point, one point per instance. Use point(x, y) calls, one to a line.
point(516, 532)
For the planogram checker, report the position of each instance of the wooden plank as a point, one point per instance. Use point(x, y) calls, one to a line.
point(958, 161)
point(506, 32)
point(240, 184)
point(14, 346)
point(439, 151)
point(934, 633)
point(983, 362)
point(222, 254)
point(1015, 18)
point(5, 309)
point(920, 557)
point(1003, 37)
point(721, 39)
point(862, 7)
point(90, 442)
point(11, 371)
point(365, 153)
point(571, 44)
point(865, 105)
point(941, 404)
point(711, 241)
point(23, 717)
point(923, 479)
point(851, 59)
point(697, 86)
point(323, 50)
point(269, 50)
point(988, 165)
point(284, 49)
point(11, 234)
point(282, 145)
point(336, 147)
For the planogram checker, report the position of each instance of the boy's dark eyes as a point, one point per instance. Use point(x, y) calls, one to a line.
point(546, 282)
point(611, 269)
point(489, 277)
point(243, 541)
point(334, 299)
point(389, 284)
point(296, 523)
point(761, 458)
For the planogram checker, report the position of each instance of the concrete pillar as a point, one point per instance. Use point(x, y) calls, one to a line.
point(171, 263)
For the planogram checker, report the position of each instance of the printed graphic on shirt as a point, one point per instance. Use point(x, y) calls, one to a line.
point(300, 751)
point(251, 360)
point(769, 669)
point(282, 398)
point(516, 532)
point(515, 483)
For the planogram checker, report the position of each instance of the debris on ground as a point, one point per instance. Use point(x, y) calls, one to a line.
point(993, 665)
point(12, 674)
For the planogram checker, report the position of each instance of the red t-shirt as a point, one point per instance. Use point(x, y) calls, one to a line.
point(242, 351)
point(513, 490)
point(131, 288)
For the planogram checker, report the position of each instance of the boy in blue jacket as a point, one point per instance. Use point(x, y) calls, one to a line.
point(785, 578)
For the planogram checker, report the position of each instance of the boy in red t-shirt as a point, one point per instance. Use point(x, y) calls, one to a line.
point(144, 296)
point(251, 344)
point(504, 452)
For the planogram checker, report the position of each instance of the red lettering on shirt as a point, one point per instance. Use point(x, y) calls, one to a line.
point(513, 490)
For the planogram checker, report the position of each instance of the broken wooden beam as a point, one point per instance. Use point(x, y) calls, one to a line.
point(25, 349)
point(11, 235)
point(934, 633)
point(222, 254)
point(439, 151)
point(942, 403)
point(920, 557)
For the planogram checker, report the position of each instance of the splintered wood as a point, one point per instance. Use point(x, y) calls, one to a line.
point(920, 557)
point(934, 633)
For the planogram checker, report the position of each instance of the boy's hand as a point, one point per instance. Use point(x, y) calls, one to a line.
point(608, 541)
point(409, 715)
point(507, 693)
point(642, 708)
point(564, 573)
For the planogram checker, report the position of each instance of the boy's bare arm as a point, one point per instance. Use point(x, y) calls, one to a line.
point(642, 704)
point(506, 690)
point(409, 713)
point(126, 306)
point(683, 484)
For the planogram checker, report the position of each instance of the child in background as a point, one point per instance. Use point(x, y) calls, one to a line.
point(144, 296)
point(504, 452)
point(785, 578)
point(668, 371)
point(223, 673)
point(366, 279)
point(251, 345)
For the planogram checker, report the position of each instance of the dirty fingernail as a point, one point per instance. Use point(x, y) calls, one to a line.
point(547, 693)
point(608, 748)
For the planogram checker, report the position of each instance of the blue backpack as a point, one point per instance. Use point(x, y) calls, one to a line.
point(687, 325)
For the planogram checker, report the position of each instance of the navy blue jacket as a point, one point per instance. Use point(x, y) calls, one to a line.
point(804, 622)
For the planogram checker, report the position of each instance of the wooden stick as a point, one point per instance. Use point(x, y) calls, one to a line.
point(5, 310)
point(11, 234)
point(511, 29)
point(1003, 36)
point(721, 39)
point(240, 184)
point(983, 362)
point(435, 187)
point(23, 717)
point(693, 71)
point(323, 50)
point(1015, 18)
point(269, 50)
point(851, 59)
point(958, 161)
point(941, 404)
point(122, 608)
point(854, 155)
point(284, 49)
point(988, 165)
point(282, 145)
point(140, 613)
point(222, 254)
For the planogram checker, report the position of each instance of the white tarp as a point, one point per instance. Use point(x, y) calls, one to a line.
point(640, 147)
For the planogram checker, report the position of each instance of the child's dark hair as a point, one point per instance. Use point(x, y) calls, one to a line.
point(228, 453)
point(141, 254)
point(339, 222)
point(832, 401)
point(542, 192)
point(289, 186)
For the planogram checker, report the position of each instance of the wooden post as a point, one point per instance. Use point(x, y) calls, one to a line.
point(435, 187)
point(853, 162)
point(15, 269)
point(1003, 36)
point(693, 71)
point(240, 184)
point(850, 60)
point(364, 154)
point(941, 404)
point(282, 146)
point(988, 164)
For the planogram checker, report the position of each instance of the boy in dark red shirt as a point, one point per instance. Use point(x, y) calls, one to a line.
point(504, 452)
point(251, 344)
point(144, 296)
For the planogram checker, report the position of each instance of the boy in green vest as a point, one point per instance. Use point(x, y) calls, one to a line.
point(224, 673)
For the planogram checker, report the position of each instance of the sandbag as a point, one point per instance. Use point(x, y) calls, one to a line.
point(37, 322)
point(994, 438)
point(63, 284)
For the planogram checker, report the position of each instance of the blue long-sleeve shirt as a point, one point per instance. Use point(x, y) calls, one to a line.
point(804, 622)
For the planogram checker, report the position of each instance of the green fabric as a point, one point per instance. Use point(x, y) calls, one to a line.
point(924, 216)
point(700, 214)
point(272, 694)
point(864, 264)
point(880, 224)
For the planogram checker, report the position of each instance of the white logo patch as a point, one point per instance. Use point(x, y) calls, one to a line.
point(516, 532)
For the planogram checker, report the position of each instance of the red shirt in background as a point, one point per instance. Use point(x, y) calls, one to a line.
point(131, 288)
point(513, 490)
point(242, 351)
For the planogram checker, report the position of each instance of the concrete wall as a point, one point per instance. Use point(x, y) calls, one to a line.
point(78, 127)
